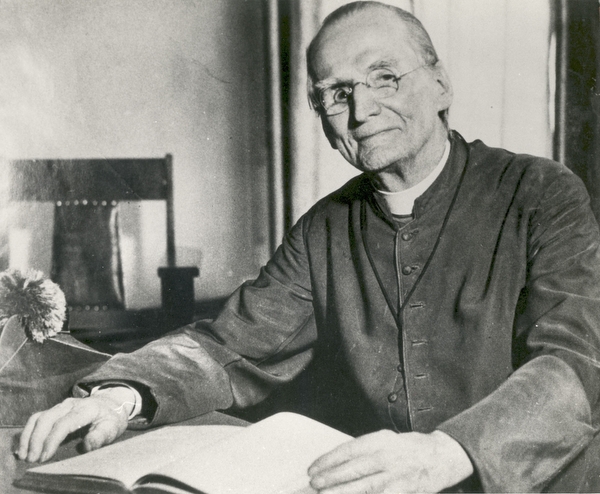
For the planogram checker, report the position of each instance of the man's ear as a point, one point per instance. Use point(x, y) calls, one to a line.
point(444, 86)
point(327, 130)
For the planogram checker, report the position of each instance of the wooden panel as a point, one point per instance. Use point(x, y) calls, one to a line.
point(88, 180)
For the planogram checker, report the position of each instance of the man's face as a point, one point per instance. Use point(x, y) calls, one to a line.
point(375, 132)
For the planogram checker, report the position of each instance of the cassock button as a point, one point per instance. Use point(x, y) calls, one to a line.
point(407, 270)
point(406, 236)
point(392, 397)
point(400, 368)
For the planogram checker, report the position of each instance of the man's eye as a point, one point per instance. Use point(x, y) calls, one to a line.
point(383, 78)
point(341, 95)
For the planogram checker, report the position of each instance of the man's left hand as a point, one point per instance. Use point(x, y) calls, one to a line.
point(387, 462)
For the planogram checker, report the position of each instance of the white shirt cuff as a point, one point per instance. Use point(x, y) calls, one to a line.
point(129, 397)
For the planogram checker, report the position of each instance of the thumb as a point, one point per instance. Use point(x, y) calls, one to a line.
point(103, 432)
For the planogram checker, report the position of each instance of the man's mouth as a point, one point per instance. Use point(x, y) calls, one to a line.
point(365, 136)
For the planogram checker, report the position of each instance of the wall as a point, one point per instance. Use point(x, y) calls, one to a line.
point(129, 78)
point(498, 55)
point(119, 78)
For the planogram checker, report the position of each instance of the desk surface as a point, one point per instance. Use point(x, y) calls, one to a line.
point(11, 468)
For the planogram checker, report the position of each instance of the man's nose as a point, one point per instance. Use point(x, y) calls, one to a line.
point(364, 103)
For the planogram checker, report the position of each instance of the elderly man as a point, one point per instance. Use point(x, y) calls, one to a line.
point(448, 298)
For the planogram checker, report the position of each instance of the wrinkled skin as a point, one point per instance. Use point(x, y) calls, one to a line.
point(45, 431)
point(387, 462)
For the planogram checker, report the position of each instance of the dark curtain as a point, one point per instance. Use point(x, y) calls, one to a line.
point(577, 134)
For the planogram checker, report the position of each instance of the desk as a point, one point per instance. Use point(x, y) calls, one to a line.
point(11, 468)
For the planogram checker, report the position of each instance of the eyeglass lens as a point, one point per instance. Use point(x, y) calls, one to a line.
point(335, 99)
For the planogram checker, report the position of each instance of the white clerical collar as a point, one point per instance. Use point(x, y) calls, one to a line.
point(401, 203)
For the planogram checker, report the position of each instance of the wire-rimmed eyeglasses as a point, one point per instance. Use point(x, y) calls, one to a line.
point(334, 99)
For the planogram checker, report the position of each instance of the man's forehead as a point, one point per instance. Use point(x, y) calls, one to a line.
point(362, 43)
point(364, 63)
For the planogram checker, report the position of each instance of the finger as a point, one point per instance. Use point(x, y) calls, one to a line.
point(43, 426)
point(103, 432)
point(346, 472)
point(26, 435)
point(362, 446)
point(78, 417)
point(365, 485)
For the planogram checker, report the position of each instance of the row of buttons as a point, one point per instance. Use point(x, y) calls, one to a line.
point(85, 202)
point(393, 397)
point(95, 308)
point(406, 236)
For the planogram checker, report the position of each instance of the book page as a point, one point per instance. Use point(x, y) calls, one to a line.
point(129, 460)
point(269, 457)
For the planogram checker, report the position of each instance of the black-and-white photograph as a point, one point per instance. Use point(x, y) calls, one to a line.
point(299, 246)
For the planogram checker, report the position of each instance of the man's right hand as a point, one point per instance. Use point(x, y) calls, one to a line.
point(105, 413)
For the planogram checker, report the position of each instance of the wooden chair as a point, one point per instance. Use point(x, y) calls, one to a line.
point(86, 253)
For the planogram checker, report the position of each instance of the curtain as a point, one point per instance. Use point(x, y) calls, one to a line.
point(577, 136)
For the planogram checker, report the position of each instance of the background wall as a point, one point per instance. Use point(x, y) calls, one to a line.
point(129, 78)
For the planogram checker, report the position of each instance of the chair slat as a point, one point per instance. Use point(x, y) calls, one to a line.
point(89, 179)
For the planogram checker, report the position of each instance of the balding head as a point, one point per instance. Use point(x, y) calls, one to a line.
point(379, 88)
point(416, 36)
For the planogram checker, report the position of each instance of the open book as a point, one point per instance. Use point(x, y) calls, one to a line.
point(269, 457)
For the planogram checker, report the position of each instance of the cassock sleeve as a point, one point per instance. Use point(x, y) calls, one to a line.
point(520, 436)
point(263, 338)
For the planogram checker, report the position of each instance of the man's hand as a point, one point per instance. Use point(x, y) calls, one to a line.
point(44, 432)
point(387, 462)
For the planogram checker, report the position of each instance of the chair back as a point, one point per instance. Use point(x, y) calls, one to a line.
point(86, 252)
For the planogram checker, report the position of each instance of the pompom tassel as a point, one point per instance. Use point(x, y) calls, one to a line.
point(38, 302)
